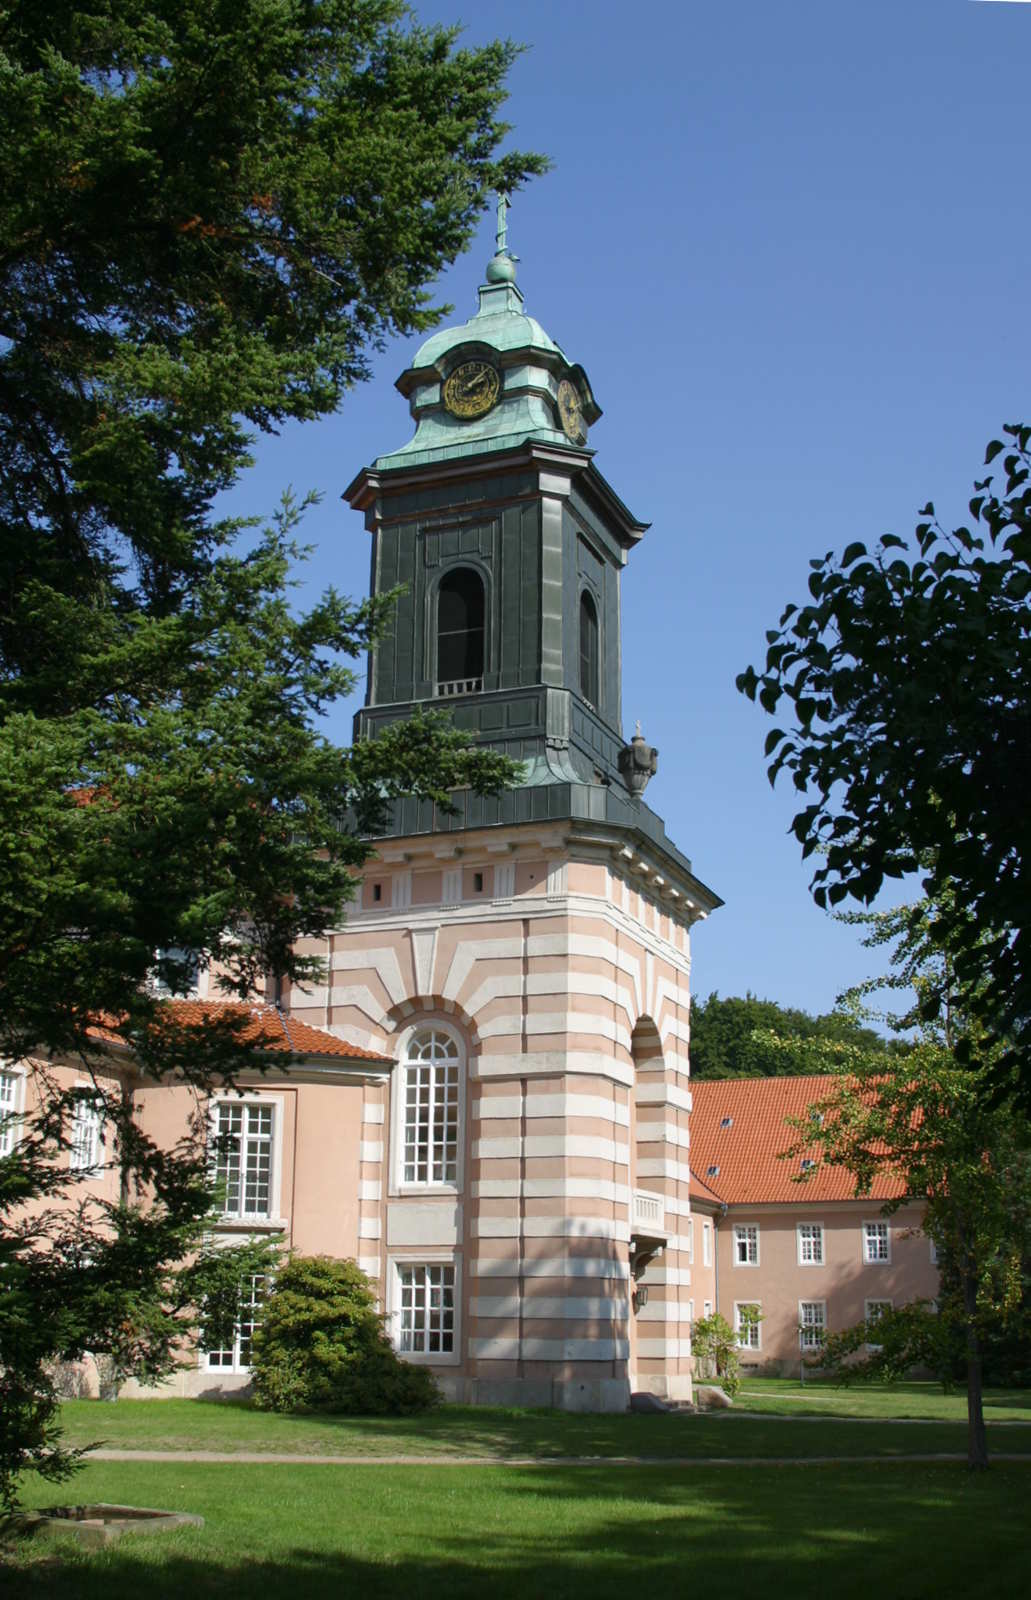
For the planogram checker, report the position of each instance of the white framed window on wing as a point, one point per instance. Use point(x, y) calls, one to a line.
point(746, 1245)
point(812, 1323)
point(11, 1089)
point(236, 1357)
point(87, 1134)
point(873, 1311)
point(706, 1244)
point(810, 1244)
point(876, 1242)
point(748, 1324)
point(431, 1097)
point(243, 1136)
point(426, 1305)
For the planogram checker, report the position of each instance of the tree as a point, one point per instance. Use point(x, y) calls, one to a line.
point(925, 1120)
point(716, 1348)
point(730, 1037)
point(211, 214)
point(319, 1345)
point(909, 677)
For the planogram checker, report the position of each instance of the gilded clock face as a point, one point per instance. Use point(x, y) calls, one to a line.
point(472, 389)
point(570, 411)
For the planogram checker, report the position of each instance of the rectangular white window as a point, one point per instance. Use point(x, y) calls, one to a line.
point(746, 1246)
point(10, 1106)
point(747, 1324)
point(431, 1080)
point(706, 1245)
point(427, 1302)
point(876, 1241)
point(242, 1157)
point(236, 1357)
point(810, 1244)
point(690, 1312)
point(873, 1311)
point(706, 1308)
point(690, 1241)
point(812, 1323)
point(87, 1134)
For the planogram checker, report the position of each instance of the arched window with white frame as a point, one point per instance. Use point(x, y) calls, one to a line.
point(430, 1102)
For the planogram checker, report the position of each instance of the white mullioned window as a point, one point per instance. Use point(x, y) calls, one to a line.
point(876, 1242)
point(810, 1244)
point(748, 1324)
point(873, 1311)
point(812, 1323)
point(11, 1084)
point(690, 1241)
point(426, 1305)
point(243, 1138)
point(430, 1090)
point(236, 1357)
point(706, 1244)
point(746, 1245)
point(706, 1308)
point(87, 1132)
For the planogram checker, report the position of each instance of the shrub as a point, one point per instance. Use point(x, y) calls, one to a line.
point(320, 1346)
point(715, 1348)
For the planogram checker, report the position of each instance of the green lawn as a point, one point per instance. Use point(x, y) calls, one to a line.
point(404, 1533)
point(483, 1431)
point(822, 1397)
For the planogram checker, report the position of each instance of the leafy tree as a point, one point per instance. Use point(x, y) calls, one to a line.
point(714, 1345)
point(319, 1345)
point(731, 1038)
point(926, 1121)
point(212, 212)
point(909, 678)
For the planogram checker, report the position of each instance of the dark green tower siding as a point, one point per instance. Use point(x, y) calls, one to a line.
point(536, 553)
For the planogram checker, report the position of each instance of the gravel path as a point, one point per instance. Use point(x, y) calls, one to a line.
point(258, 1458)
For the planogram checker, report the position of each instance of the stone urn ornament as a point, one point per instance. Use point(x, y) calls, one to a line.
point(638, 763)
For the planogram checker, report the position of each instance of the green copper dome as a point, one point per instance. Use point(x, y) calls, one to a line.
point(517, 368)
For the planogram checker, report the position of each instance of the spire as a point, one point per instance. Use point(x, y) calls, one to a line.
point(501, 268)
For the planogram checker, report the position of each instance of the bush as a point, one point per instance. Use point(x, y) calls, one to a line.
point(715, 1349)
point(320, 1346)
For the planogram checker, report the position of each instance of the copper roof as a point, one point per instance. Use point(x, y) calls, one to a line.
point(738, 1128)
point(268, 1028)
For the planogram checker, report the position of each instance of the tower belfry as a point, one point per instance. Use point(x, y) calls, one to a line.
point(524, 961)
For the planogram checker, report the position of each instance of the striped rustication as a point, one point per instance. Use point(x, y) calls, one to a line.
point(560, 966)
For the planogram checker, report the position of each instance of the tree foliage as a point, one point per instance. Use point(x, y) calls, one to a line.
point(319, 1345)
point(745, 1037)
point(926, 1121)
point(909, 678)
point(714, 1345)
point(212, 212)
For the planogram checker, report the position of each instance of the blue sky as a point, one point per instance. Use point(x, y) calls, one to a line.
point(790, 243)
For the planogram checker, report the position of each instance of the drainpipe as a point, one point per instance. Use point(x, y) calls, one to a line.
point(716, 1254)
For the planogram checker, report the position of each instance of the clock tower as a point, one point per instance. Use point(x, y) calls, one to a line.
point(526, 960)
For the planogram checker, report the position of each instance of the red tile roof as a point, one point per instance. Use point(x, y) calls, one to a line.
point(745, 1150)
point(270, 1029)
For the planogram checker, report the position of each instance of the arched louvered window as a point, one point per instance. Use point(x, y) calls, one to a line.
point(588, 649)
point(461, 611)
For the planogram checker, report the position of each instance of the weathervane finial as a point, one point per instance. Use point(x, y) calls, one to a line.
point(504, 204)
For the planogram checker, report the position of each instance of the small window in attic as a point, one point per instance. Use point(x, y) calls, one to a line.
point(807, 1163)
point(712, 1172)
point(726, 1122)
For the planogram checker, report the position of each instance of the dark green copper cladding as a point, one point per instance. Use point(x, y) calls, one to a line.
point(512, 498)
